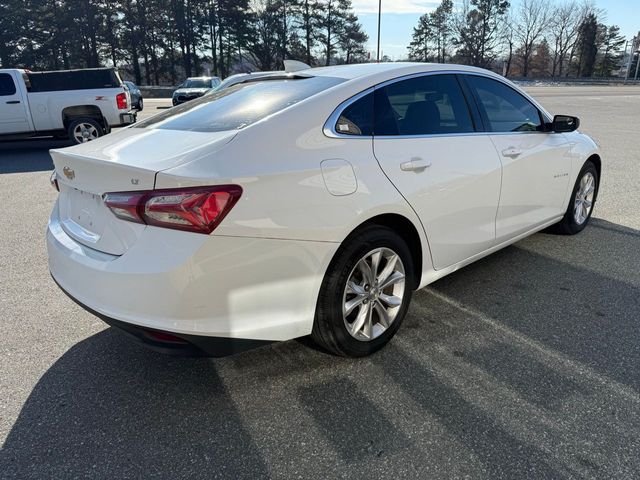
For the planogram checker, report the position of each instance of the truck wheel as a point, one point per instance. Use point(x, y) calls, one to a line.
point(83, 130)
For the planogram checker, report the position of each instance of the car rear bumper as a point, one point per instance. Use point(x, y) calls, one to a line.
point(196, 285)
point(176, 344)
point(128, 118)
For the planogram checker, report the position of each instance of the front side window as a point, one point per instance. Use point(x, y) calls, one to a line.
point(504, 108)
point(238, 106)
point(7, 87)
point(425, 105)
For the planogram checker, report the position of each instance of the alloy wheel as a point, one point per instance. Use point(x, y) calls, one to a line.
point(373, 294)
point(85, 132)
point(584, 198)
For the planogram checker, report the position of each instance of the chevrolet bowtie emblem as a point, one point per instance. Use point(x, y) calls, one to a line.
point(69, 173)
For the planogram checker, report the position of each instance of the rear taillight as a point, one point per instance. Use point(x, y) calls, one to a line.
point(197, 209)
point(121, 101)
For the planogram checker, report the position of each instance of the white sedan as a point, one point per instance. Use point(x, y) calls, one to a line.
point(310, 204)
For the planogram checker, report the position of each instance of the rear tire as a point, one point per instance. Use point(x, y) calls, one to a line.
point(365, 293)
point(83, 130)
point(583, 200)
point(140, 105)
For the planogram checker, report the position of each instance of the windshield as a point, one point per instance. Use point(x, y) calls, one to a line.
point(239, 105)
point(197, 83)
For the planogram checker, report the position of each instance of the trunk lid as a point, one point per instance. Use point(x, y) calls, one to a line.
point(124, 161)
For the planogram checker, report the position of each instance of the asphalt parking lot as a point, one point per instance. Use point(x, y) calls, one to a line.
point(523, 365)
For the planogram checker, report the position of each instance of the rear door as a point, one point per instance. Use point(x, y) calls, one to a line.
point(536, 163)
point(13, 108)
point(426, 143)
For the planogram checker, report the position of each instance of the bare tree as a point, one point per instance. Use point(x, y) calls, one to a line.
point(508, 34)
point(533, 18)
point(565, 23)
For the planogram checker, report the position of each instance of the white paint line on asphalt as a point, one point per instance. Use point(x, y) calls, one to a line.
point(618, 388)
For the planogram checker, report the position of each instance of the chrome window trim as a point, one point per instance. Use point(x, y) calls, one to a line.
point(329, 126)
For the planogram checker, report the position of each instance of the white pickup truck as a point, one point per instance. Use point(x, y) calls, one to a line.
point(81, 105)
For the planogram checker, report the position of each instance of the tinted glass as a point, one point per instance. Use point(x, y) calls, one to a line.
point(357, 118)
point(239, 105)
point(7, 87)
point(73, 80)
point(427, 105)
point(505, 109)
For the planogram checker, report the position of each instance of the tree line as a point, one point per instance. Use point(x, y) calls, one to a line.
point(537, 38)
point(162, 41)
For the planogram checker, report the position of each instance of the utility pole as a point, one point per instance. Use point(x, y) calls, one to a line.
point(379, 21)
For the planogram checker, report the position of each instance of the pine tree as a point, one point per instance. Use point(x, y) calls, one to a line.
point(478, 33)
point(587, 46)
point(611, 45)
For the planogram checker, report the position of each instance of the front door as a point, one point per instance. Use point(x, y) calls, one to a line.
point(13, 111)
point(536, 163)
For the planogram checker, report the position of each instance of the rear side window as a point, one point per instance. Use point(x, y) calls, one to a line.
point(7, 87)
point(426, 105)
point(238, 106)
point(357, 118)
point(504, 108)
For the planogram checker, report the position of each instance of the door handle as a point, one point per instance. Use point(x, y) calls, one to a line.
point(416, 164)
point(512, 152)
point(13, 102)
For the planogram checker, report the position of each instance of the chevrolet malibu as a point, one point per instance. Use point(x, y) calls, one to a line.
point(310, 203)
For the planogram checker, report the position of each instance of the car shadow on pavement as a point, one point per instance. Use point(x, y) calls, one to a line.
point(29, 155)
point(522, 365)
point(109, 409)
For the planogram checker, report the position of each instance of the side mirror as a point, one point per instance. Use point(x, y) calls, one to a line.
point(565, 123)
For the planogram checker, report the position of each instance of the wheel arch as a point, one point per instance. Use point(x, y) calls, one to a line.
point(409, 233)
point(597, 161)
point(82, 111)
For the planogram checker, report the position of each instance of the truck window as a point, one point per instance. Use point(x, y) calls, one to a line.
point(74, 80)
point(7, 87)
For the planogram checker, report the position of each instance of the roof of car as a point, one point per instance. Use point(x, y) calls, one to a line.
point(349, 72)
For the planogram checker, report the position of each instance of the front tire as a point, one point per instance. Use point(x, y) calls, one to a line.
point(365, 293)
point(583, 200)
point(140, 105)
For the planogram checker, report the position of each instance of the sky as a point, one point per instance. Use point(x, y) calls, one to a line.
point(400, 16)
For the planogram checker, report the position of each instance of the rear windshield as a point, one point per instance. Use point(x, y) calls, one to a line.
point(239, 105)
point(197, 83)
